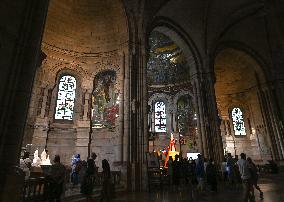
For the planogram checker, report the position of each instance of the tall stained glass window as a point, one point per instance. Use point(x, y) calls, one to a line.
point(160, 117)
point(65, 98)
point(238, 121)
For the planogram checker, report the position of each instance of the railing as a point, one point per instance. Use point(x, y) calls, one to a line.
point(36, 189)
point(115, 178)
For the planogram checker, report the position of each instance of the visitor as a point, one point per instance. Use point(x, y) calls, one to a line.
point(211, 174)
point(246, 178)
point(76, 167)
point(26, 164)
point(170, 170)
point(254, 176)
point(108, 187)
point(224, 170)
point(94, 157)
point(192, 173)
point(56, 178)
point(185, 170)
point(230, 168)
point(176, 171)
point(200, 173)
point(87, 184)
point(83, 171)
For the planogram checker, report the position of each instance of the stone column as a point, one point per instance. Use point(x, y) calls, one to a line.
point(121, 106)
point(271, 121)
point(199, 119)
point(127, 109)
point(41, 124)
point(83, 127)
point(208, 115)
point(20, 48)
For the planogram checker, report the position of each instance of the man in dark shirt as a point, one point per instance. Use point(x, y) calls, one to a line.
point(56, 177)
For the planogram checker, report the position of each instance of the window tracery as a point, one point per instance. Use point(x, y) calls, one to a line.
point(160, 117)
point(65, 98)
point(238, 121)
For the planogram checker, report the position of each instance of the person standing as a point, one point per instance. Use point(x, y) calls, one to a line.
point(254, 176)
point(200, 172)
point(176, 172)
point(170, 170)
point(230, 168)
point(76, 165)
point(56, 177)
point(26, 164)
point(87, 184)
point(246, 177)
point(211, 174)
point(108, 187)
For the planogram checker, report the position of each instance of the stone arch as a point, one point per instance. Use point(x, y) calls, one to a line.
point(178, 95)
point(261, 67)
point(77, 107)
point(239, 77)
point(161, 97)
point(181, 38)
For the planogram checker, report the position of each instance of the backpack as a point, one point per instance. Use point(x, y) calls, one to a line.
point(78, 166)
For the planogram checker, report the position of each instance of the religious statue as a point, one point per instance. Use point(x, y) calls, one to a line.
point(45, 158)
point(43, 155)
point(172, 143)
point(36, 160)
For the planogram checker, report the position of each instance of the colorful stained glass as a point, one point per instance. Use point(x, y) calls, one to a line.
point(166, 63)
point(160, 117)
point(187, 120)
point(238, 121)
point(65, 98)
point(105, 102)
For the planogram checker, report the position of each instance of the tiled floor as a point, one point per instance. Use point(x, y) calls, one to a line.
point(271, 185)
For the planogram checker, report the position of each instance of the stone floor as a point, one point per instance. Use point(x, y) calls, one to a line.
point(271, 185)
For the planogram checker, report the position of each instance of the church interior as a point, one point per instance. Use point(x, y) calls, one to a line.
point(127, 79)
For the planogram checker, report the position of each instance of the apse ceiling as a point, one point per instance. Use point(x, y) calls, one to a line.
point(166, 64)
point(235, 72)
point(85, 26)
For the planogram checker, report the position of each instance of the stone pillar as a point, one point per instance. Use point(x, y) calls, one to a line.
point(200, 130)
point(138, 113)
point(271, 122)
point(20, 48)
point(121, 105)
point(83, 127)
point(201, 122)
point(127, 109)
point(208, 117)
point(42, 123)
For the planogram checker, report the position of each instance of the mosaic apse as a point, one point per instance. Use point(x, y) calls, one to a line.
point(105, 104)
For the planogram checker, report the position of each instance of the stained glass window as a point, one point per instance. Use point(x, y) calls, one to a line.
point(238, 121)
point(105, 100)
point(160, 117)
point(65, 98)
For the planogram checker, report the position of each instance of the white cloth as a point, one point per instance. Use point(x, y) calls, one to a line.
point(244, 169)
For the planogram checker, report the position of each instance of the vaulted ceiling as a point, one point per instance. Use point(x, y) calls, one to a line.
point(86, 25)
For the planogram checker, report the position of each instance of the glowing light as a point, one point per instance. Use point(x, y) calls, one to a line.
point(238, 121)
point(65, 98)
